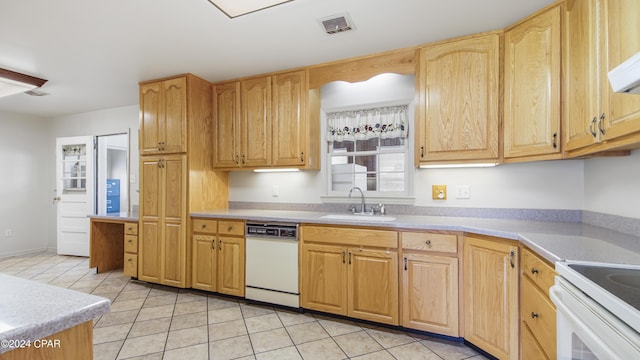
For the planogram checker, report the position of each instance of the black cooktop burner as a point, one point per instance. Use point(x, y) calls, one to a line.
point(621, 282)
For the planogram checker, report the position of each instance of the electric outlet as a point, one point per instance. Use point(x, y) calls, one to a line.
point(439, 192)
point(275, 191)
point(462, 192)
point(8, 233)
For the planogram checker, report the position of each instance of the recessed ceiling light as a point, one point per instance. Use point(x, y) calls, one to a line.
point(235, 8)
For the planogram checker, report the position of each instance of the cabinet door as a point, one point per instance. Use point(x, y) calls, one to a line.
point(323, 278)
point(256, 122)
point(150, 233)
point(290, 117)
point(459, 85)
point(620, 40)
point(174, 125)
point(373, 285)
point(226, 107)
point(174, 211)
point(204, 262)
point(150, 117)
point(231, 265)
point(580, 89)
point(532, 86)
point(430, 293)
point(491, 296)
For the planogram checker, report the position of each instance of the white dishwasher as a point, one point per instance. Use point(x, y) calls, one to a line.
point(272, 263)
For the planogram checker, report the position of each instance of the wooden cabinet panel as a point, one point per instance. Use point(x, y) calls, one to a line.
point(231, 227)
point(447, 243)
point(491, 296)
point(529, 346)
point(430, 293)
point(459, 116)
point(226, 106)
point(532, 86)
point(174, 255)
point(255, 128)
point(131, 244)
point(542, 274)
point(131, 228)
point(130, 265)
point(323, 278)
point(290, 119)
point(231, 257)
point(539, 315)
point(149, 252)
point(204, 262)
point(205, 226)
point(163, 122)
point(350, 236)
point(373, 285)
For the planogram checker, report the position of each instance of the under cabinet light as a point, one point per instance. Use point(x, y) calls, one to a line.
point(266, 170)
point(449, 166)
point(235, 8)
point(12, 82)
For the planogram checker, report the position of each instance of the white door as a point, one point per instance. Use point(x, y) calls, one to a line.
point(75, 193)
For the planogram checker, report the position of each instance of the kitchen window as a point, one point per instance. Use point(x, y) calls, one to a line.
point(368, 149)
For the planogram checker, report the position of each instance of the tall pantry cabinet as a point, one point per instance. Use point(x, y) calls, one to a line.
point(176, 174)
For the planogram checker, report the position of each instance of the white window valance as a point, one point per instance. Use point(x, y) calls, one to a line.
point(382, 122)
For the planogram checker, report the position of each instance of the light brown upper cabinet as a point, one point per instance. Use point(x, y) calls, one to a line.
point(265, 122)
point(599, 35)
point(243, 123)
point(532, 57)
point(163, 116)
point(458, 116)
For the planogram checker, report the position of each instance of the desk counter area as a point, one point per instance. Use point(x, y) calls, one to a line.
point(114, 242)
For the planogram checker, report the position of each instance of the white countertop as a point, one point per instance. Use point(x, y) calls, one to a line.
point(30, 310)
point(553, 241)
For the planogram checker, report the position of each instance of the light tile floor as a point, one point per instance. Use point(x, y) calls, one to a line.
point(156, 322)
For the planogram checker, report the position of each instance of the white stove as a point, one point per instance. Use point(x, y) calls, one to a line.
point(598, 310)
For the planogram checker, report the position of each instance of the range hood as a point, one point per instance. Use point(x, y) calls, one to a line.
point(625, 78)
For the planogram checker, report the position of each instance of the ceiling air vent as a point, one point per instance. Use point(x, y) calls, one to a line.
point(336, 23)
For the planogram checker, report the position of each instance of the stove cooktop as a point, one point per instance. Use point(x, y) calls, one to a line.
point(622, 282)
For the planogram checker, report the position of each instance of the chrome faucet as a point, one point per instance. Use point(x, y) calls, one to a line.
point(362, 206)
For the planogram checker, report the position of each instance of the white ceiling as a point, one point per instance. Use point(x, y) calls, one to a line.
point(94, 53)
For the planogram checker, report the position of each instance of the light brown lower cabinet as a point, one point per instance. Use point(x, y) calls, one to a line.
point(491, 273)
point(218, 256)
point(339, 275)
point(429, 287)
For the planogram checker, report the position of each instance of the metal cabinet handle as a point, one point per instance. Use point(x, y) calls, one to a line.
point(349, 257)
point(421, 151)
point(534, 271)
point(405, 263)
point(512, 256)
point(591, 127)
point(204, 226)
point(343, 257)
point(555, 140)
point(428, 242)
point(220, 245)
point(229, 228)
point(600, 124)
point(534, 315)
point(130, 240)
point(213, 244)
point(237, 160)
point(129, 259)
point(301, 157)
point(243, 161)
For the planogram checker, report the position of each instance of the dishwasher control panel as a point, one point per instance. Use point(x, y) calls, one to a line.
point(272, 230)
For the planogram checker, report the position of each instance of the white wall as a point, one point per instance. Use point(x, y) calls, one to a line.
point(612, 185)
point(25, 199)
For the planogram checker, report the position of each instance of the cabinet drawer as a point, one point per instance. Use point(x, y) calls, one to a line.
point(205, 226)
point(227, 227)
point(537, 311)
point(131, 228)
point(349, 236)
point(430, 242)
point(131, 244)
point(541, 273)
point(131, 265)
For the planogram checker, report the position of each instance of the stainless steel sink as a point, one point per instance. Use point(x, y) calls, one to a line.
point(355, 217)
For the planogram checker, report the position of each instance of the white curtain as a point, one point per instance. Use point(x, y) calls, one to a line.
point(382, 122)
